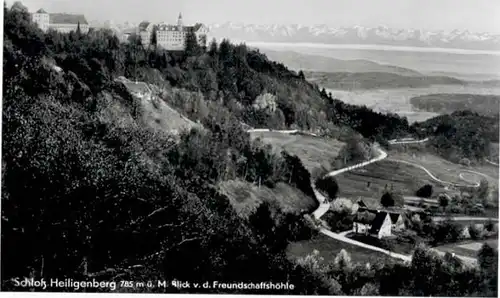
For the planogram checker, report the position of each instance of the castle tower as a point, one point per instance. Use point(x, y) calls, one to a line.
point(42, 19)
point(180, 24)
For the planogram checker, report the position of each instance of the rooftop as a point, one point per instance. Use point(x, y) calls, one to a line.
point(394, 217)
point(377, 222)
point(144, 25)
point(65, 18)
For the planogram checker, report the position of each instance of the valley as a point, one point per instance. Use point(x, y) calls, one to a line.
point(399, 100)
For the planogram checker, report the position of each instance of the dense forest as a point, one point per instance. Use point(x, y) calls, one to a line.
point(92, 192)
point(446, 103)
point(462, 134)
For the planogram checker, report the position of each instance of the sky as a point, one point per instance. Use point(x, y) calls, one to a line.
point(472, 15)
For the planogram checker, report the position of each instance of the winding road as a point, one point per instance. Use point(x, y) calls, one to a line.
point(490, 162)
point(324, 205)
point(471, 184)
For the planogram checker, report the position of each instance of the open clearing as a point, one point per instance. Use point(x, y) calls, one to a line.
point(404, 178)
point(468, 248)
point(246, 197)
point(474, 246)
point(329, 248)
point(446, 170)
point(312, 151)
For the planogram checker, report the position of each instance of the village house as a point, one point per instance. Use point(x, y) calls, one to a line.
point(61, 22)
point(171, 37)
point(377, 223)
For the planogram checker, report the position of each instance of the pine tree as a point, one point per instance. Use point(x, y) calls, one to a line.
point(191, 45)
point(301, 75)
point(154, 38)
point(212, 50)
point(78, 30)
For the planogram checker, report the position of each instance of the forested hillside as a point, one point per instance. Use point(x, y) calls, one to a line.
point(463, 134)
point(488, 105)
point(91, 189)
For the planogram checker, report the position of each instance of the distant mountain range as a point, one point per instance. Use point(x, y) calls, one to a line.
point(381, 35)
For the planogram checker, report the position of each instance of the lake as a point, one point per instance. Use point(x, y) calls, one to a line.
point(465, 64)
point(462, 64)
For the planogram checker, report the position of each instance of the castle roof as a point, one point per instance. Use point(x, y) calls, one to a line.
point(64, 18)
point(144, 25)
point(41, 11)
point(169, 27)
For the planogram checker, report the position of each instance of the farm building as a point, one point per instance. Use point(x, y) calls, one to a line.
point(377, 223)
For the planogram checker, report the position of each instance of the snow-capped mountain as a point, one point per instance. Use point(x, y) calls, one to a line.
point(381, 35)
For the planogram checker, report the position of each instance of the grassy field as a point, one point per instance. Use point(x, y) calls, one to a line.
point(405, 179)
point(329, 248)
point(311, 150)
point(156, 112)
point(246, 197)
point(443, 169)
point(494, 152)
point(469, 248)
point(393, 244)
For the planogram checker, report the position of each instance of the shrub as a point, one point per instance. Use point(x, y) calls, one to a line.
point(477, 231)
point(329, 185)
point(342, 206)
point(387, 200)
point(425, 191)
point(339, 221)
point(456, 209)
point(446, 232)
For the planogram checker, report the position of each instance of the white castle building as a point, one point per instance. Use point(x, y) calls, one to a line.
point(61, 22)
point(171, 37)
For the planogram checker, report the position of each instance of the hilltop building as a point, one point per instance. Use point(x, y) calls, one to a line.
point(61, 22)
point(171, 37)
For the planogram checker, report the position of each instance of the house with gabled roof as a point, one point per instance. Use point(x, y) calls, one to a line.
point(373, 222)
point(61, 22)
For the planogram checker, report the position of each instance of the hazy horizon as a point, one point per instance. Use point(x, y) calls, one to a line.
point(475, 16)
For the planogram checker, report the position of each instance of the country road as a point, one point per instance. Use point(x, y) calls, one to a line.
point(472, 184)
point(464, 218)
point(395, 141)
point(324, 205)
point(490, 162)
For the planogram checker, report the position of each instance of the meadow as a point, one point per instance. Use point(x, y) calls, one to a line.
point(469, 248)
point(312, 151)
point(329, 248)
point(446, 170)
point(246, 197)
point(405, 179)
